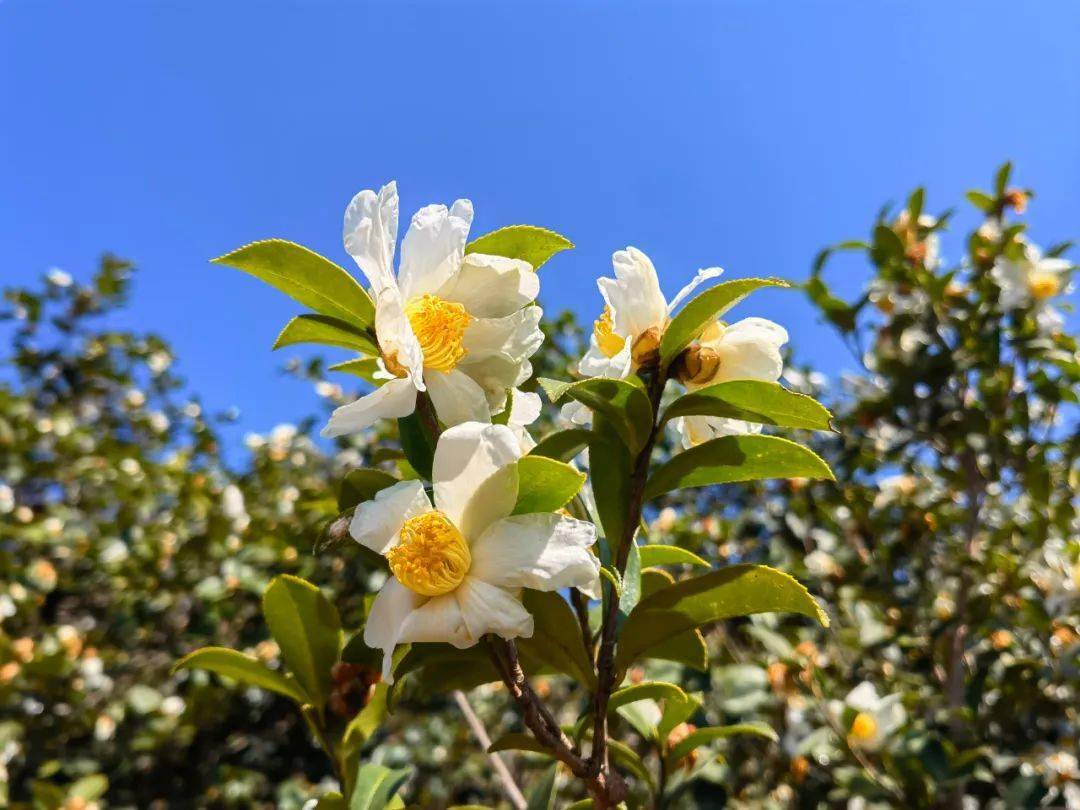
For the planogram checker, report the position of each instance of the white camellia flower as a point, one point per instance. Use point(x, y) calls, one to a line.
point(458, 327)
point(746, 350)
point(458, 566)
point(1031, 281)
point(627, 334)
point(868, 718)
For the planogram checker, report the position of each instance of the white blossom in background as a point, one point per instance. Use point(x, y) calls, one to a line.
point(867, 718)
point(458, 565)
point(1030, 281)
point(233, 507)
point(627, 334)
point(460, 328)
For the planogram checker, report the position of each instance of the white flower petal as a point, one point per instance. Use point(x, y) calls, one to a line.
point(475, 475)
point(396, 337)
point(496, 374)
point(488, 609)
point(391, 400)
point(457, 397)
point(863, 698)
point(697, 429)
point(515, 336)
point(370, 231)
point(525, 407)
point(543, 551)
point(437, 620)
point(433, 247)
point(492, 286)
point(377, 523)
point(703, 275)
point(597, 364)
point(634, 295)
point(750, 350)
point(392, 607)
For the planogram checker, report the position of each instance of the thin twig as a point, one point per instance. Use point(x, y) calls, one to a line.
point(513, 792)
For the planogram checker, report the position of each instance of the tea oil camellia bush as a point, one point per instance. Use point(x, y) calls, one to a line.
point(548, 567)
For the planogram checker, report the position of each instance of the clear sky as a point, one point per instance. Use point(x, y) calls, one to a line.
point(745, 134)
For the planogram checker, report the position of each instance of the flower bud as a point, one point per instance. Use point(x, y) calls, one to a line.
point(645, 350)
point(698, 365)
point(1017, 199)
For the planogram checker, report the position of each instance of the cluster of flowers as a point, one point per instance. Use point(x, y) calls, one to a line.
point(461, 328)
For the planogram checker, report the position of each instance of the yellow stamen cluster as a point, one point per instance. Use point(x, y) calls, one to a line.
point(432, 557)
point(864, 727)
point(604, 331)
point(439, 326)
point(1043, 285)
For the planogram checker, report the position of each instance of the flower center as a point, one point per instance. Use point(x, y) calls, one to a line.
point(432, 557)
point(1043, 285)
point(863, 727)
point(439, 326)
point(604, 331)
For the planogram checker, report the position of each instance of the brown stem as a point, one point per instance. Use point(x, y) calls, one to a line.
point(513, 792)
point(605, 666)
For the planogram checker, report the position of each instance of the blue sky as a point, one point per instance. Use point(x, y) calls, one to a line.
point(744, 134)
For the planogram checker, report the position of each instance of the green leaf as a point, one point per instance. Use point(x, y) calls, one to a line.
point(242, 668)
point(646, 690)
point(556, 640)
point(611, 479)
point(89, 788)
point(376, 786)
point(417, 444)
point(624, 403)
point(687, 648)
point(984, 202)
point(731, 459)
point(625, 756)
point(542, 796)
point(1001, 179)
point(362, 367)
point(441, 668)
point(362, 485)
point(765, 403)
point(545, 485)
point(304, 276)
point(327, 331)
point(307, 629)
point(368, 720)
point(517, 741)
point(705, 308)
point(563, 445)
point(675, 712)
point(529, 243)
point(630, 592)
point(331, 801)
point(704, 736)
point(656, 554)
point(738, 590)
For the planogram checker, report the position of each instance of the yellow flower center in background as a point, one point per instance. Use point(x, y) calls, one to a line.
point(864, 727)
point(604, 332)
point(439, 326)
point(432, 557)
point(1043, 285)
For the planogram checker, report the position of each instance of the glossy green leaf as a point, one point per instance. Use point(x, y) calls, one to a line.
point(646, 690)
point(687, 648)
point(529, 243)
point(562, 445)
point(738, 590)
point(611, 479)
point(304, 276)
point(517, 741)
point(440, 668)
point(307, 628)
point(755, 401)
point(704, 736)
point(556, 640)
point(703, 309)
point(545, 485)
point(367, 720)
point(327, 331)
point(627, 758)
point(731, 459)
point(362, 367)
point(657, 554)
point(542, 795)
point(417, 444)
point(376, 786)
point(624, 403)
point(630, 592)
point(362, 485)
point(242, 668)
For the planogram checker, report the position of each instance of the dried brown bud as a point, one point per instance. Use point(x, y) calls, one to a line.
point(352, 688)
point(645, 350)
point(698, 365)
point(1017, 200)
point(800, 767)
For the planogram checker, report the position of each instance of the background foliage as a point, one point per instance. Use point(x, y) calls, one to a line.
point(946, 553)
